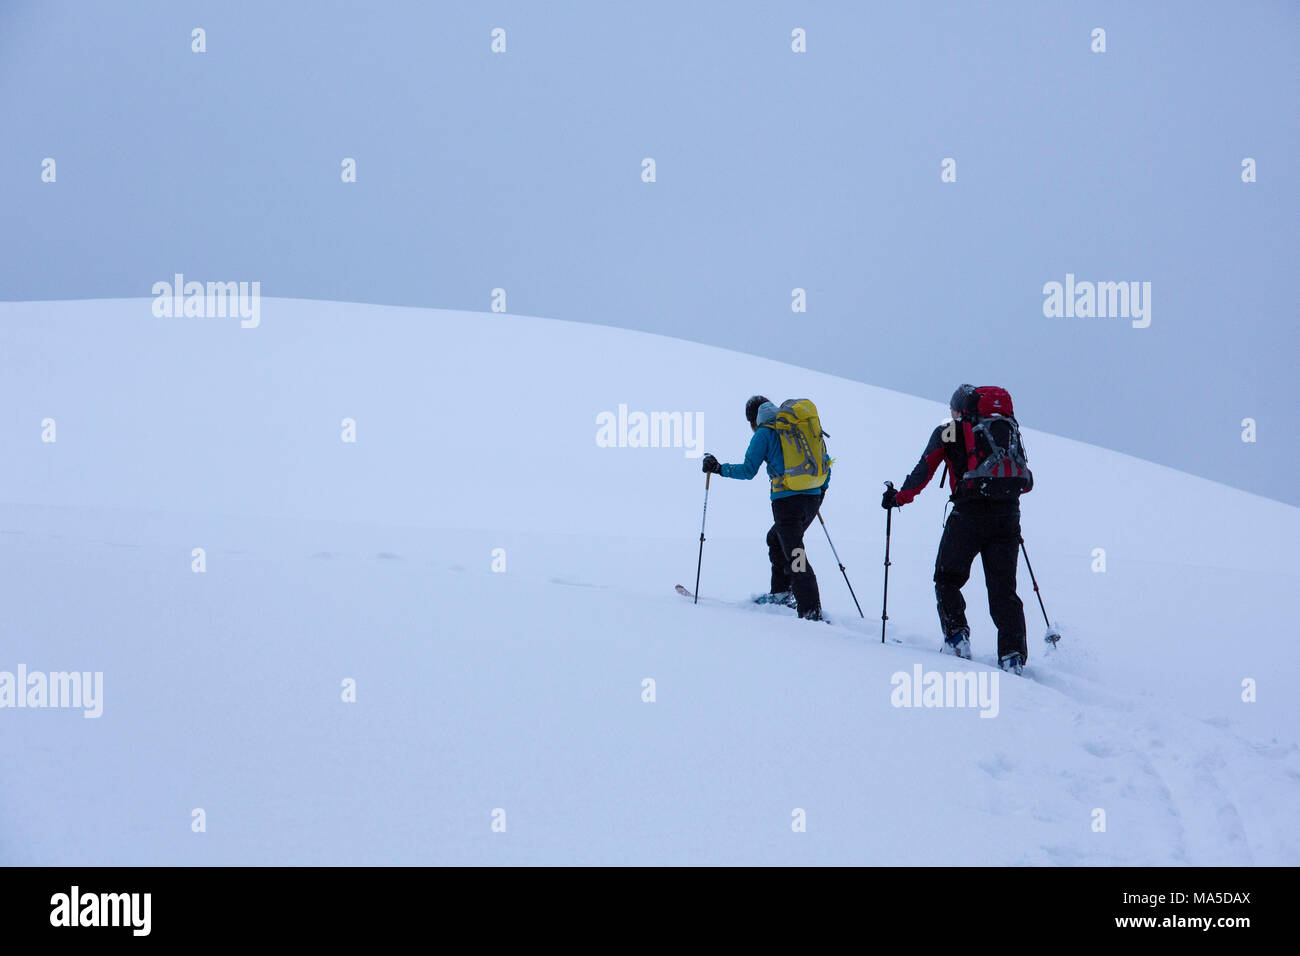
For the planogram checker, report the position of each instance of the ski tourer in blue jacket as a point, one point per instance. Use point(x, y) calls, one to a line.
point(793, 581)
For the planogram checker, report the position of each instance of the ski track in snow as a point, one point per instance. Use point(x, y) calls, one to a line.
point(1177, 759)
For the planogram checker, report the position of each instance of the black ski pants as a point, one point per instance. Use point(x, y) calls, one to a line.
point(995, 537)
point(790, 570)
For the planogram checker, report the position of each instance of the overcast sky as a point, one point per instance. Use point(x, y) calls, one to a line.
point(774, 170)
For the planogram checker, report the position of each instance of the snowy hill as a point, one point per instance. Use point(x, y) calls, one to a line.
point(521, 689)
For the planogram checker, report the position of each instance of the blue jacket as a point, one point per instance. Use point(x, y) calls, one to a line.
point(765, 446)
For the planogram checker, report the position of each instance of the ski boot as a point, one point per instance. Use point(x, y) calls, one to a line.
point(1012, 663)
point(784, 598)
point(957, 643)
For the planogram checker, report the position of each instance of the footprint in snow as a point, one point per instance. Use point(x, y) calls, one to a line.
point(573, 583)
point(1101, 748)
point(998, 767)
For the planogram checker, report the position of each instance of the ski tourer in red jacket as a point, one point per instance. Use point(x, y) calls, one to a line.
point(985, 521)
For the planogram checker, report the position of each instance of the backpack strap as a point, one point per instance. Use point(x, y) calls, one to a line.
point(972, 458)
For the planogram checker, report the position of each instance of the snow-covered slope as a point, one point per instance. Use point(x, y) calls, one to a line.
point(522, 690)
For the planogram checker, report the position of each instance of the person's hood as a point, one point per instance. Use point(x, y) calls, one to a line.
point(766, 413)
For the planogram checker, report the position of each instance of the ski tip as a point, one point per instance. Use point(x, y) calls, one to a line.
point(683, 591)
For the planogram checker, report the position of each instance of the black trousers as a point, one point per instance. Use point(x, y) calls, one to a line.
point(790, 571)
point(995, 538)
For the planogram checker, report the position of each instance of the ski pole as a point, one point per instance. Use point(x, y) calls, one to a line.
point(884, 607)
point(1053, 635)
point(841, 564)
point(700, 562)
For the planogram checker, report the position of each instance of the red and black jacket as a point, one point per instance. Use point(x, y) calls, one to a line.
point(956, 455)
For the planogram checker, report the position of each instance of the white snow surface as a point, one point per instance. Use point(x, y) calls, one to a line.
point(522, 690)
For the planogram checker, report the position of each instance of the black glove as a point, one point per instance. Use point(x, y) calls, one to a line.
point(887, 499)
point(711, 465)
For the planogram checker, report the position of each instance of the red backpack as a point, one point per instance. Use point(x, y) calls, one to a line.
point(996, 464)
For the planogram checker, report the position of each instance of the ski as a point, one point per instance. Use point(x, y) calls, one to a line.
point(752, 604)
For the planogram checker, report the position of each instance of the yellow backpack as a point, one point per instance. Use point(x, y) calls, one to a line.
point(803, 445)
